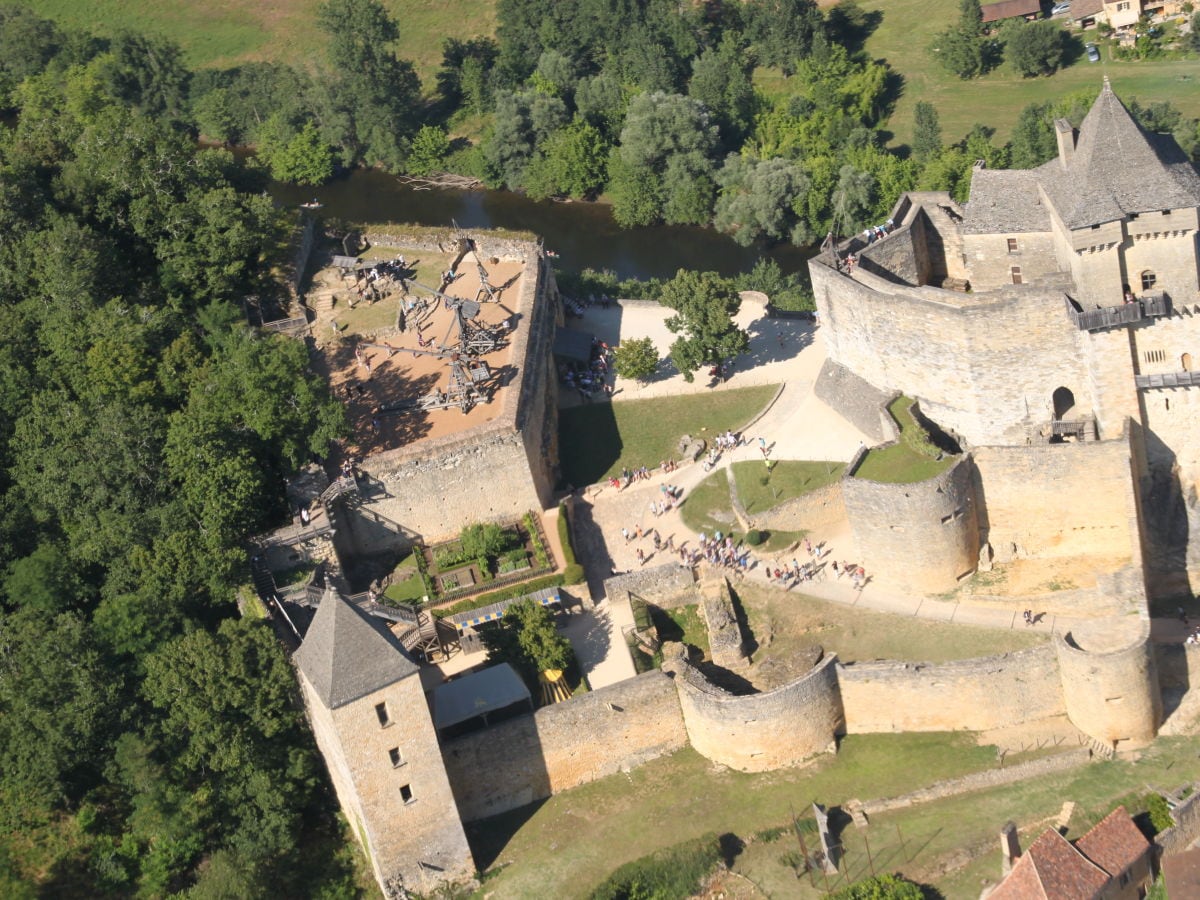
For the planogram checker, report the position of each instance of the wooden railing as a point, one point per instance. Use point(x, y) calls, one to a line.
point(1080, 429)
point(1148, 307)
point(1168, 380)
point(296, 325)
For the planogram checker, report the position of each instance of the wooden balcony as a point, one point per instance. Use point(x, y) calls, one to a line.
point(1167, 380)
point(1149, 306)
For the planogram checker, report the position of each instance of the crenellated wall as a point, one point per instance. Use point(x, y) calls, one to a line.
point(763, 731)
point(964, 695)
point(922, 536)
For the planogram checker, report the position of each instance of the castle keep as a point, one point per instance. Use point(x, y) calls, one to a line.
point(1056, 308)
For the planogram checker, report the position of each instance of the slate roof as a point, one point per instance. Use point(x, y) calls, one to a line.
point(1082, 9)
point(1118, 169)
point(1004, 201)
point(1051, 869)
point(1007, 9)
point(347, 654)
point(1115, 843)
point(487, 690)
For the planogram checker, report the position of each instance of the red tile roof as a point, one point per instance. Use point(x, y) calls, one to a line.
point(1051, 869)
point(1182, 874)
point(1007, 9)
point(1115, 843)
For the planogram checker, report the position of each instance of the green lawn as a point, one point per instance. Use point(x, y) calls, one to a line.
point(597, 441)
point(708, 508)
point(902, 462)
point(684, 623)
point(795, 621)
point(904, 37)
point(759, 490)
point(565, 846)
point(233, 31)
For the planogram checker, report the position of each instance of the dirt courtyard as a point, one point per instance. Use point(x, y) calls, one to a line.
point(385, 352)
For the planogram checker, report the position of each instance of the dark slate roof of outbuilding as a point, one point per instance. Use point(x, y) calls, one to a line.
point(348, 654)
point(1004, 202)
point(1118, 169)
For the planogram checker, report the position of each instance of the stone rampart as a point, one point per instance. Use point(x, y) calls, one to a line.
point(487, 242)
point(818, 512)
point(1186, 830)
point(857, 401)
point(667, 586)
point(726, 643)
point(984, 365)
point(1058, 500)
point(760, 732)
point(922, 536)
point(964, 695)
point(564, 745)
point(1110, 681)
point(497, 470)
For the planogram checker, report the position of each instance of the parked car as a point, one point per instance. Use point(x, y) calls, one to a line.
point(1093, 54)
point(1059, 9)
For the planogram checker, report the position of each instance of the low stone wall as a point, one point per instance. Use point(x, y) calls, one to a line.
point(820, 511)
point(759, 732)
point(856, 400)
point(1187, 828)
point(979, 781)
point(965, 695)
point(668, 586)
point(614, 729)
point(487, 244)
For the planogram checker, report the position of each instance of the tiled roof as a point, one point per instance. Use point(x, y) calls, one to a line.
point(1115, 843)
point(1004, 202)
point(1181, 872)
point(1082, 9)
point(1007, 9)
point(348, 654)
point(1118, 169)
point(1051, 869)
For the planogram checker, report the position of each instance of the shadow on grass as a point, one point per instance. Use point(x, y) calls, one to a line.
point(488, 837)
point(589, 442)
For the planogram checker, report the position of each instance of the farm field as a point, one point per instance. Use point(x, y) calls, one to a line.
point(226, 32)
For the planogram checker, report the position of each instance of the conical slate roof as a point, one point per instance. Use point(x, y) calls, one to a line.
point(348, 654)
point(1118, 169)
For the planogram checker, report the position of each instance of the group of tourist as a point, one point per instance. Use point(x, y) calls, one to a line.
point(873, 233)
point(587, 379)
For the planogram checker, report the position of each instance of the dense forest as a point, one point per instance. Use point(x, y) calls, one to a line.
point(150, 741)
point(648, 102)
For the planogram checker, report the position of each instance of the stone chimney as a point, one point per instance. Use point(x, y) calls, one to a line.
point(1066, 141)
point(1010, 848)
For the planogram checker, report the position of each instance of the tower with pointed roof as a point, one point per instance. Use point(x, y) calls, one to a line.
point(368, 712)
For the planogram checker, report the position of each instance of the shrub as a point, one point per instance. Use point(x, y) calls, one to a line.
point(881, 887)
point(564, 537)
point(1159, 812)
point(673, 873)
point(754, 537)
point(485, 539)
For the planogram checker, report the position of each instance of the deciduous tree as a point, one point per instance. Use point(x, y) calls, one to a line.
point(704, 304)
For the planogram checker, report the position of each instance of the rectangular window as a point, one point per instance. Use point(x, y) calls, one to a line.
point(406, 793)
point(1012, 245)
point(1016, 275)
point(1149, 279)
point(382, 712)
point(396, 757)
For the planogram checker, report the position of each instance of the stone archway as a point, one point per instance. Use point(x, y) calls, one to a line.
point(1063, 401)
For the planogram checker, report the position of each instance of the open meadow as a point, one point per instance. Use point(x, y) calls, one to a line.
point(227, 32)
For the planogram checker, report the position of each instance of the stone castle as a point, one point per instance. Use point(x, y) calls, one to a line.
point(1045, 326)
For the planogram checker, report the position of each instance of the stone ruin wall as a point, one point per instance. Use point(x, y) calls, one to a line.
point(1058, 500)
point(764, 731)
point(496, 471)
point(922, 537)
point(857, 401)
point(982, 365)
point(667, 587)
point(963, 695)
point(1186, 830)
point(818, 512)
point(1112, 695)
point(613, 729)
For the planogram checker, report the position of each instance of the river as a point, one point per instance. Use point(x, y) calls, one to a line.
point(583, 234)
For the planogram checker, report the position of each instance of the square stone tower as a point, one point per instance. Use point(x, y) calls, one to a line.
point(372, 724)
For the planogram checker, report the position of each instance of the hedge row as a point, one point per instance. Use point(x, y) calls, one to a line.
point(573, 573)
point(673, 873)
point(520, 589)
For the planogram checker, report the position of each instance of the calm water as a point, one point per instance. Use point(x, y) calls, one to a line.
point(583, 234)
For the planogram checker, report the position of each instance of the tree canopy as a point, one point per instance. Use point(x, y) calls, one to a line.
point(704, 305)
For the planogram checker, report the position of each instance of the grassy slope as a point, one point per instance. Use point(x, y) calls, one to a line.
point(907, 31)
point(224, 32)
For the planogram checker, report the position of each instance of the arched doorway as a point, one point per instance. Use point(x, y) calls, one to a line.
point(1063, 401)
